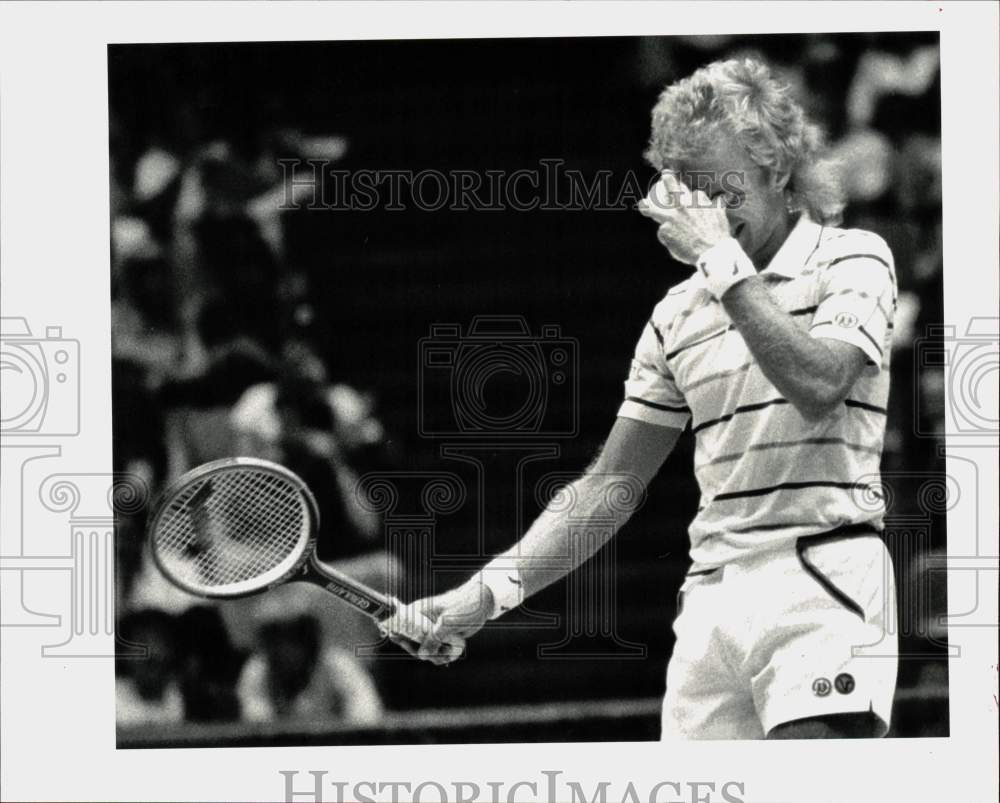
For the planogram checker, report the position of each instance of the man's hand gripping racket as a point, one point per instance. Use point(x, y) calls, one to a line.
point(242, 526)
point(455, 615)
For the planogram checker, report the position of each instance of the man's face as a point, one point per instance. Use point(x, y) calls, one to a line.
point(755, 202)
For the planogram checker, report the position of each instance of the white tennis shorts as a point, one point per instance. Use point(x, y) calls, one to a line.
point(804, 630)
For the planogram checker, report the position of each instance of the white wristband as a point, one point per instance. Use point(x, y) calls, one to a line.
point(724, 265)
point(506, 588)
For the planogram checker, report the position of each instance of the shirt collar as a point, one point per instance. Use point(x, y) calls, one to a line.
point(795, 251)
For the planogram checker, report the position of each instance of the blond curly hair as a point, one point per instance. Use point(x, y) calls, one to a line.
point(742, 97)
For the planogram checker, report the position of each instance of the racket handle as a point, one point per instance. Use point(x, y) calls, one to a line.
point(380, 607)
point(356, 594)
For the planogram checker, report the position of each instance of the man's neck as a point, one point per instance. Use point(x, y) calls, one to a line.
point(766, 253)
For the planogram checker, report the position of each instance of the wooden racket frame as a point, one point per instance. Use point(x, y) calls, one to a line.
point(306, 568)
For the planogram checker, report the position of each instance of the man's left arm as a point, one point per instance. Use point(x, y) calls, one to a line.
point(814, 374)
point(851, 328)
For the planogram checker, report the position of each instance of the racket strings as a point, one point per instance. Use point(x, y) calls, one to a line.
point(231, 527)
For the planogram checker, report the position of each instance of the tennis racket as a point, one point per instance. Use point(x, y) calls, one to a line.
point(242, 526)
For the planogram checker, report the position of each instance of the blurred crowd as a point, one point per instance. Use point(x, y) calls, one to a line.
point(212, 358)
point(214, 355)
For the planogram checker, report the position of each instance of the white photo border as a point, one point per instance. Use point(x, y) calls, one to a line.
point(58, 730)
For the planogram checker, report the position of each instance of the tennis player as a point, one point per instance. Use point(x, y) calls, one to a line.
point(776, 352)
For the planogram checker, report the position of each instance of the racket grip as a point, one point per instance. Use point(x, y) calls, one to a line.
point(409, 624)
point(392, 616)
point(356, 594)
point(406, 621)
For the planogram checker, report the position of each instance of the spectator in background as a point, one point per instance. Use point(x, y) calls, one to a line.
point(209, 666)
point(147, 690)
point(318, 429)
point(139, 454)
point(292, 675)
point(240, 268)
point(314, 427)
point(198, 405)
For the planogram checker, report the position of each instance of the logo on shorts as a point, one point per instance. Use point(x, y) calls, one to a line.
point(821, 687)
point(846, 320)
point(844, 683)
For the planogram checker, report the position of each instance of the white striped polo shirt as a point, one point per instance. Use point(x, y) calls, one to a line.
point(767, 475)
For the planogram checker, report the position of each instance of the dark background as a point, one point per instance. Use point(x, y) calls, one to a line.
point(364, 287)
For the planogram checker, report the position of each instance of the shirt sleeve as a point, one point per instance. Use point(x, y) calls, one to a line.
point(651, 394)
point(857, 298)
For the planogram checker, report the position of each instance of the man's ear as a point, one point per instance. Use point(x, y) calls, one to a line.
point(780, 179)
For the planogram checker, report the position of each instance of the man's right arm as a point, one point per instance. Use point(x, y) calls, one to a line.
point(612, 487)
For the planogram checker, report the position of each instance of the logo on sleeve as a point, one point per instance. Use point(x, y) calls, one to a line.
point(821, 687)
point(846, 320)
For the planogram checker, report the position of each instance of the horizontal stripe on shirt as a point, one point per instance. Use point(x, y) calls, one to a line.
point(656, 331)
point(746, 408)
point(871, 339)
point(687, 313)
point(761, 447)
point(789, 486)
point(861, 329)
point(860, 294)
point(691, 345)
point(750, 408)
point(848, 257)
point(876, 257)
point(720, 375)
point(655, 406)
point(864, 406)
point(763, 528)
point(730, 328)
